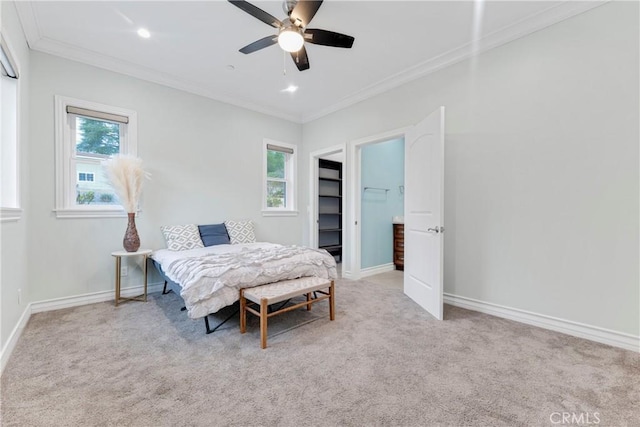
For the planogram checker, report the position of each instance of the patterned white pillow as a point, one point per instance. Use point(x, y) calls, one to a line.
point(182, 237)
point(240, 232)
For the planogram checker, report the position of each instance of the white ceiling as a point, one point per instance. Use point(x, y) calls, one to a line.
point(194, 43)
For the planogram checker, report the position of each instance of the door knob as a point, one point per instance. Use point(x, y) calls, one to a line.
point(434, 230)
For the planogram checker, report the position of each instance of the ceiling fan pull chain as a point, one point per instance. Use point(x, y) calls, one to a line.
point(284, 63)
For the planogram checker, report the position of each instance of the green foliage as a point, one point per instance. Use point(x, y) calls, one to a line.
point(106, 198)
point(276, 194)
point(98, 137)
point(85, 198)
point(275, 164)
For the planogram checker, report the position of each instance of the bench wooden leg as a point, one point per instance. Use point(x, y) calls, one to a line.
point(308, 299)
point(243, 312)
point(332, 301)
point(263, 322)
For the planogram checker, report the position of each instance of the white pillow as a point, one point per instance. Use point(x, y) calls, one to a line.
point(240, 232)
point(182, 237)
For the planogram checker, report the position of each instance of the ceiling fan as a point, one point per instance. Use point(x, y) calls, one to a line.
point(293, 31)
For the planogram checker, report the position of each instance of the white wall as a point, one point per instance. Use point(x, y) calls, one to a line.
point(205, 158)
point(541, 181)
point(13, 235)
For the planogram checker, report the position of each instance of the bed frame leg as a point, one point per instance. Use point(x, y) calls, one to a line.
point(206, 322)
point(164, 290)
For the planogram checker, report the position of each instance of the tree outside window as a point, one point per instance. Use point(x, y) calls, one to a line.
point(276, 175)
point(96, 140)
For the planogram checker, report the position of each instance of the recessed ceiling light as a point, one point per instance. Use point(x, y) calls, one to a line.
point(144, 33)
point(290, 89)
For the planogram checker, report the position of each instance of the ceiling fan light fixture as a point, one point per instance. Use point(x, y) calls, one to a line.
point(290, 39)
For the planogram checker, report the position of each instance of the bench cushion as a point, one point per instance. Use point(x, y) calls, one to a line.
point(281, 291)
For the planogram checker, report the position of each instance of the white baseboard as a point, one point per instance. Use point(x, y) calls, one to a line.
point(14, 337)
point(92, 298)
point(371, 271)
point(593, 333)
point(347, 275)
point(66, 302)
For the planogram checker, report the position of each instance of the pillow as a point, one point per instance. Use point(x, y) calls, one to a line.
point(182, 237)
point(213, 234)
point(240, 232)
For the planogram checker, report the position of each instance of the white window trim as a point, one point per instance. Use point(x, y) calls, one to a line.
point(14, 213)
point(292, 193)
point(65, 203)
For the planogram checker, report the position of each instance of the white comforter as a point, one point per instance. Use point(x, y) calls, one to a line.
point(210, 277)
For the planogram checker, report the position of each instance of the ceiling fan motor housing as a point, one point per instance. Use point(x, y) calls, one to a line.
point(288, 5)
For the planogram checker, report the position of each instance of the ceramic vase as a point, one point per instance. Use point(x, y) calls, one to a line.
point(131, 241)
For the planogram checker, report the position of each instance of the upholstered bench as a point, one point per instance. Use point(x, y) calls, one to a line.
point(265, 295)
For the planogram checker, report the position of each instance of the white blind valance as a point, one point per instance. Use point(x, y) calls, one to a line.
point(273, 147)
point(97, 114)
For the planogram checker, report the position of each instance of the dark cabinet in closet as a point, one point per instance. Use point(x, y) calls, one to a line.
point(398, 246)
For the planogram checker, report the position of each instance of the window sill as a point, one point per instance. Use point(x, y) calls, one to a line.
point(279, 213)
point(10, 214)
point(91, 213)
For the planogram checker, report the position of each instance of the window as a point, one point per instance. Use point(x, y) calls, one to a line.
point(9, 159)
point(85, 176)
point(279, 178)
point(87, 134)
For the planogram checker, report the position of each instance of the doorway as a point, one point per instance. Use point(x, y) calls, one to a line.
point(327, 185)
point(376, 194)
point(382, 207)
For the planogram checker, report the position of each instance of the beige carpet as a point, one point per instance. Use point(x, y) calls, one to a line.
point(383, 361)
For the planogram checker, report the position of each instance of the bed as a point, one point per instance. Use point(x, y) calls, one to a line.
point(209, 278)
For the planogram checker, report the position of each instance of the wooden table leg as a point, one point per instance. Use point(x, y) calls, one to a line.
point(332, 301)
point(263, 322)
point(243, 312)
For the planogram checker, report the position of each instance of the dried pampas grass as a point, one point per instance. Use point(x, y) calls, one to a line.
point(126, 175)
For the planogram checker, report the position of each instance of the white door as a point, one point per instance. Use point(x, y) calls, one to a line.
point(423, 213)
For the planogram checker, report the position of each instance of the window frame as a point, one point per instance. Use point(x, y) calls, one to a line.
point(65, 172)
point(14, 213)
point(291, 178)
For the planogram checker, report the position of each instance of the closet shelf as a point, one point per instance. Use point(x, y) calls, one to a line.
point(331, 247)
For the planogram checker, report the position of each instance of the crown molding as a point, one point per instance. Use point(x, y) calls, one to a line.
point(515, 30)
point(53, 47)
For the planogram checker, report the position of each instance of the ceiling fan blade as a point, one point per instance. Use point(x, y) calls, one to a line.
point(328, 38)
point(304, 11)
point(259, 44)
point(301, 59)
point(256, 12)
